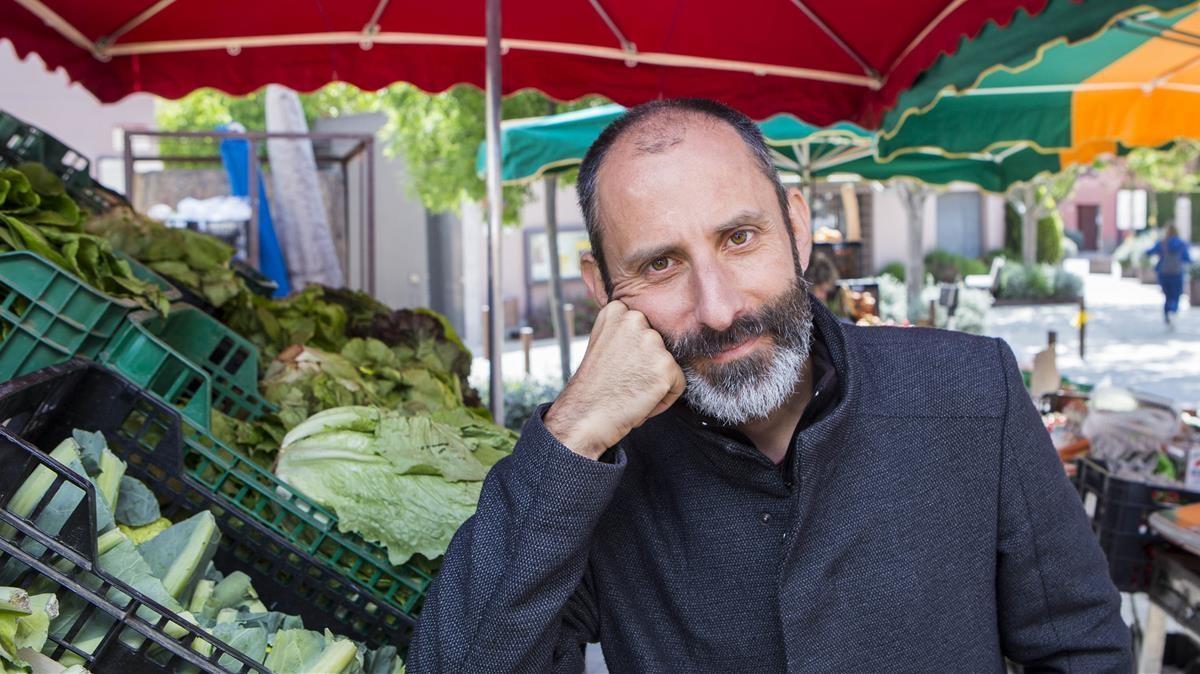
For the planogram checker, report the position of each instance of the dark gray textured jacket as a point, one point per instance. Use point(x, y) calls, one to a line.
point(929, 528)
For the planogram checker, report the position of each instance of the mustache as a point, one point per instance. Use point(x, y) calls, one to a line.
point(778, 319)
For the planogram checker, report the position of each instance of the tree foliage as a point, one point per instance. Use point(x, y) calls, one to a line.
point(437, 134)
point(1173, 169)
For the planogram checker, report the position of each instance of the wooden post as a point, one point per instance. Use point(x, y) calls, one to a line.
point(527, 346)
point(569, 317)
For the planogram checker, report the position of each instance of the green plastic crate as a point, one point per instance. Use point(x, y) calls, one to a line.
point(23, 142)
point(304, 523)
point(191, 361)
point(48, 315)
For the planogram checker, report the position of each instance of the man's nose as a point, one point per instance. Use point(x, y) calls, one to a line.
point(718, 299)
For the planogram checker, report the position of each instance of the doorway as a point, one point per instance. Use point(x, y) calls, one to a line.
point(1088, 221)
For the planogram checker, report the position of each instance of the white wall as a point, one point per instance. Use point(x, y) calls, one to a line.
point(891, 233)
point(67, 111)
point(993, 222)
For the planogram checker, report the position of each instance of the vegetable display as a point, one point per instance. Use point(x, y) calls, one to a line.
point(169, 562)
point(37, 215)
point(190, 259)
point(406, 482)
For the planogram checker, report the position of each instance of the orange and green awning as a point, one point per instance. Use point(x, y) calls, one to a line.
point(1135, 83)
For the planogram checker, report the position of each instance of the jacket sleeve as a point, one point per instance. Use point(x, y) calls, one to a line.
point(513, 593)
point(1058, 609)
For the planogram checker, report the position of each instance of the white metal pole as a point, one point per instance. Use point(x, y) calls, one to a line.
point(495, 198)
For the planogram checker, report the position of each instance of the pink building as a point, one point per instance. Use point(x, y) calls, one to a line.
point(1092, 209)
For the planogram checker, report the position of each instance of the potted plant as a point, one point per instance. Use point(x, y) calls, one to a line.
point(1194, 284)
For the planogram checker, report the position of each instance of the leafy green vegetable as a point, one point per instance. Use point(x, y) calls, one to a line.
point(37, 215)
point(108, 482)
point(193, 260)
point(136, 505)
point(408, 483)
point(91, 447)
point(293, 650)
point(250, 640)
point(180, 554)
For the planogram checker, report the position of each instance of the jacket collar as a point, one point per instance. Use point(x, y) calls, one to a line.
point(812, 446)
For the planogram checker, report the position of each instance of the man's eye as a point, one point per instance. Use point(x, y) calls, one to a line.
point(740, 237)
point(660, 264)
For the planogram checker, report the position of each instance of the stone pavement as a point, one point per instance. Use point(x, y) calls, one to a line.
point(1127, 341)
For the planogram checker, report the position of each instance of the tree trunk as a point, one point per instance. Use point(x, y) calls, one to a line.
point(1030, 213)
point(913, 196)
point(557, 316)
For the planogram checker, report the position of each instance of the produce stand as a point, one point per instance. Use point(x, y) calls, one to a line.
point(43, 408)
point(1175, 586)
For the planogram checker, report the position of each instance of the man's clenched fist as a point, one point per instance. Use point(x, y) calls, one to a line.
point(627, 376)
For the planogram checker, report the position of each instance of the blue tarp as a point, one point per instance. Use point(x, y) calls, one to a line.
point(235, 153)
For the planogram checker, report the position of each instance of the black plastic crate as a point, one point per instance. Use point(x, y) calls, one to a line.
point(46, 406)
point(134, 627)
point(1119, 509)
point(1175, 585)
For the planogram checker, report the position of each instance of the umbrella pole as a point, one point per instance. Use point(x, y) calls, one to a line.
point(557, 315)
point(495, 198)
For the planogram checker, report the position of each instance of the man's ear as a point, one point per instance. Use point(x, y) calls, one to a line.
point(801, 225)
point(590, 270)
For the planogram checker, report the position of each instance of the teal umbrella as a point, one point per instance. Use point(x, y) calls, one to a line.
point(534, 148)
point(547, 145)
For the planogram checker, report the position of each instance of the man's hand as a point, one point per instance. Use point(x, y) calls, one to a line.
point(626, 377)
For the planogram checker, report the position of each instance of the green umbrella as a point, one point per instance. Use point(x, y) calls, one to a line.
point(534, 148)
point(555, 143)
point(991, 172)
point(1137, 83)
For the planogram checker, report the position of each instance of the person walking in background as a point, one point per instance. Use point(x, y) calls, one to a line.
point(1173, 258)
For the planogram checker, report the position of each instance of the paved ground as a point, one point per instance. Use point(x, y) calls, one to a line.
point(1127, 341)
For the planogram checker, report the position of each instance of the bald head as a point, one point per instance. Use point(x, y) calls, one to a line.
point(656, 128)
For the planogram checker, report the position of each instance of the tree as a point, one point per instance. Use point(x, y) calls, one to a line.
point(437, 134)
point(1170, 169)
point(913, 195)
point(1034, 202)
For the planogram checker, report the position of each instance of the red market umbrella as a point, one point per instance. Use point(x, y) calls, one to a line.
point(825, 61)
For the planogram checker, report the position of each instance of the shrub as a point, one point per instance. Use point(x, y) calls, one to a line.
point(1038, 282)
point(991, 256)
point(1049, 233)
point(895, 270)
point(521, 399)
point(1050, 239)
point(1067, 286)
point(969, 266)
point(942, 265)
point(946, 267)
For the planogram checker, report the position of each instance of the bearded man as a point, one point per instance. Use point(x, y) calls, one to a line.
point(733, 481)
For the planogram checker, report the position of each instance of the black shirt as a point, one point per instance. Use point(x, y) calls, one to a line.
point(825, 395)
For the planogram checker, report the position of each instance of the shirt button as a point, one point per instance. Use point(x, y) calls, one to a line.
point(765, 517)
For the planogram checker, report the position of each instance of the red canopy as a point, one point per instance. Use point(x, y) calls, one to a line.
point(823, 60)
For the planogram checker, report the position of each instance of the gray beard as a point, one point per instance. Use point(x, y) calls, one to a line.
point(755, 385)
point(749, 393)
